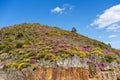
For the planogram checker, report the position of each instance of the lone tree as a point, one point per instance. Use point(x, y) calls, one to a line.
point(74, 30)
point(109, 44)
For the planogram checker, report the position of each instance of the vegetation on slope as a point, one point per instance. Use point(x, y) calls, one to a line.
point(24, 45)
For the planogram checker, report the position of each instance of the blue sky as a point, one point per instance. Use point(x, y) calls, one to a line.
point(97, 19)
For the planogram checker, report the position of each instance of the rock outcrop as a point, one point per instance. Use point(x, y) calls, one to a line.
point(57, 73)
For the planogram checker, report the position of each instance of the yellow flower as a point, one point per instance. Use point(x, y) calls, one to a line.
point(35, 67)
point(82, 54)
point(23, 65)
point(24, 46)
point(96, 51)
point(12, 65)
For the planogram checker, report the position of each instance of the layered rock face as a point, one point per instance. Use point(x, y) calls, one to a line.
point(57, 74)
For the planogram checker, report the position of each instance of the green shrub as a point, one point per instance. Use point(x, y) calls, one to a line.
point(19, 45)
point(110, 57)
point(2, 46)
point(19, 35)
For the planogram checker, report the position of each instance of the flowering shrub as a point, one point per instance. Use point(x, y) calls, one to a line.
point(32, 61)
point(70, 51)
point(101, 65)
point(96, 51)
point(85, 48)
point(112, 68)
point(34, 67)
point(52, 57)
point(12, 65)
point(110, 57)
point(24, 46)
point(105, 51)
point(63, 55)
point(23, 65)
point(87, 60)
point(82, 54)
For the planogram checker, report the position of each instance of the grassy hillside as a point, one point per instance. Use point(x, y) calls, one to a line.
point(24, 45)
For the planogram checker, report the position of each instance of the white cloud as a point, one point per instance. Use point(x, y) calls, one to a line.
point(112, 36)
point(109, 19)
point(113, 27)
point(68, 6)
point(64, 9)
point(58, 10)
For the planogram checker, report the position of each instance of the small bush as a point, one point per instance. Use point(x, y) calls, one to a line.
point(23, 65)
point(96, 51)
point(64, 55)
point(19, 35)
point(2, 47)
point(110, 57)
point(19, 45)
point(52, 57)
point(112, 68)
point(12, 65)
point(34, 67)
point(82, 54)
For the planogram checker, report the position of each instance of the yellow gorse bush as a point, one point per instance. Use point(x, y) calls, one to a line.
point(71, 52)
point(35, 67)
point(64, 55)
point(82, 54)
point(52, 57)
point(23, 65)
point(12, 65)
point(96, 51)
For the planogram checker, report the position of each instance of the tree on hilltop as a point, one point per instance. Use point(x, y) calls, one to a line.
point(74, 30)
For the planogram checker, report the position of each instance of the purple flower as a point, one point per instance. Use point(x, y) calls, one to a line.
point(105, 51)
point(32, 61)
point(104, 65)
point(96, 65)
point(87, 60)
point(84, 48)
point(55, 49)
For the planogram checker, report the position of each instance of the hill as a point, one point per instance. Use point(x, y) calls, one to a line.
point(33, 45)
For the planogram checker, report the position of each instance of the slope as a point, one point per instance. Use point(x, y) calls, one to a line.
point(24, 45)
